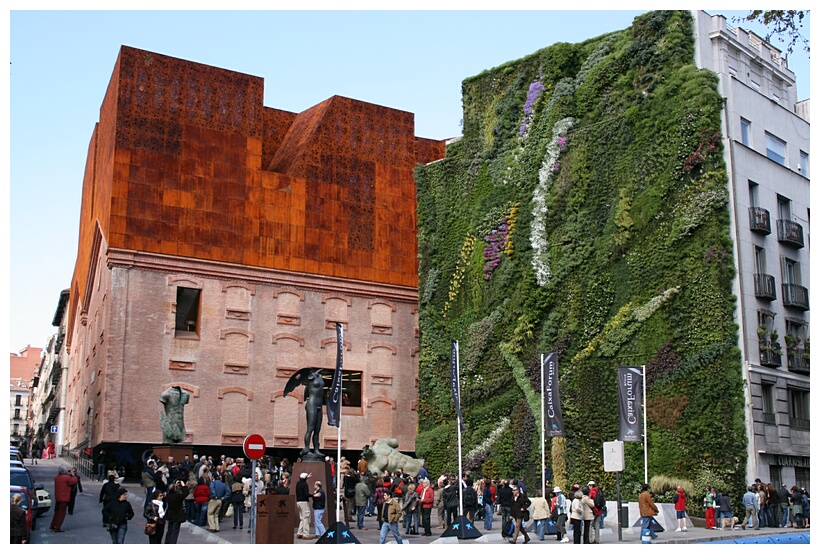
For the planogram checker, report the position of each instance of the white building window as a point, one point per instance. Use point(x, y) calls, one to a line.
point(804, 164)
point(745, 132)
point(775, 149)
point(754, 81)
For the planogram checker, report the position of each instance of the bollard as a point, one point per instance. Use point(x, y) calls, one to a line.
point(646, 536)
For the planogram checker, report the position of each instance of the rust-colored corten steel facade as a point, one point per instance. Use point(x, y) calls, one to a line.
point(279, 224)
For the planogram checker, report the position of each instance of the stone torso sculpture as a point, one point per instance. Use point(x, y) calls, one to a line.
point(384, 456)
point(172, 422)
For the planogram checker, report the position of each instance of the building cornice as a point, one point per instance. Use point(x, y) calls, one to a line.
point(148, 261)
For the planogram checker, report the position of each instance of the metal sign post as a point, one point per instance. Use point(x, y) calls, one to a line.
point(254, 447)
point(614, 461)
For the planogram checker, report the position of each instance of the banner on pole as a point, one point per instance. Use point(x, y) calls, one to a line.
point(630, 387)
point(455, 384)
point(552, 398)
point(334, 400)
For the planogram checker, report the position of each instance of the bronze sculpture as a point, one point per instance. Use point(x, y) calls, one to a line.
point(311, 378)
point(172, 422)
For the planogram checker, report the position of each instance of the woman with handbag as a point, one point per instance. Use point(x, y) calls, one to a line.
point(117, 513)
point(238, 503)
point(155, 518)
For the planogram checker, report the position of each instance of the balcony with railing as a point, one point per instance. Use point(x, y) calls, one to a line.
point(765, 287)
point(795, 296)
point(798, 361)
point(799, 423)
point(790, 232)
point(759, 220)
point(770, 353)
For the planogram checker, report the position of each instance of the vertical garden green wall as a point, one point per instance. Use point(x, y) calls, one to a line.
point(584, 212)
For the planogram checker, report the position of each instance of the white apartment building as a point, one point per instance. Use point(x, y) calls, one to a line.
point(766, 140)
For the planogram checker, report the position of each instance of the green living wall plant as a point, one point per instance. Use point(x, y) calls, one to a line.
point(584, 212)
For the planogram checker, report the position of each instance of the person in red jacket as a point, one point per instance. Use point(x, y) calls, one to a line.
point(202, 495)
point(426, 496)
point(680, 509)
point(65, 479)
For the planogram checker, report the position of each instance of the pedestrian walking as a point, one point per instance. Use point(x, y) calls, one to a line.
point(519, 512)
point(648, 511)
point(559, 514)
point(108, 492)
point(117, 513)
point(393, 515)
point(154, 514)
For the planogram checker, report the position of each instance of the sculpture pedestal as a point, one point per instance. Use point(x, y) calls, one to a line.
point(321, 472)
point(275, 514)
point(179, 452)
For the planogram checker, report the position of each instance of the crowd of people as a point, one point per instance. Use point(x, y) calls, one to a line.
point(764, 505)
point(203, 491)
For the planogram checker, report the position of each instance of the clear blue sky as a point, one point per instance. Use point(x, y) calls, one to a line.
point(61, 62)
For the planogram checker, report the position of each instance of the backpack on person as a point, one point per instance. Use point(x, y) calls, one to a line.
point(600, 500)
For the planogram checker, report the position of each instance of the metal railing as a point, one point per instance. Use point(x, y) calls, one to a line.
point(759, 220)
point(790, 232)
point(768, 355)
point(765, 286)
point(795, 296)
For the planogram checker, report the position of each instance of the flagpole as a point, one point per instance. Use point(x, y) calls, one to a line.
point(543, 463)
point(339, 457)
point(458, 427)
point(340, 362)
point(645, 451)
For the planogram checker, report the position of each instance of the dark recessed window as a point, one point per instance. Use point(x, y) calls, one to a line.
point(351, 386)
point(187, 316)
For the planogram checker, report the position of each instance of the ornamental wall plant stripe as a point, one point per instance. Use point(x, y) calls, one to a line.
point(610, 152)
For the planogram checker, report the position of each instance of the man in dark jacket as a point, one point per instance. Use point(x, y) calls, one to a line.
point(470, 497)
point(450, 498)
point(175, 511)
point(520, 504)
point(503, 498)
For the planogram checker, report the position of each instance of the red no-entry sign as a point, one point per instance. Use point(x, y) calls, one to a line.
point(254, 446)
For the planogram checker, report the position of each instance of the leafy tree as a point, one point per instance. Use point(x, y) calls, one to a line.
point(786, 25)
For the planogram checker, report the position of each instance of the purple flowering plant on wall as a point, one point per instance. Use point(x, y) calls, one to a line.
point(536, 88)
point(493, 248)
